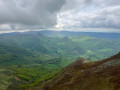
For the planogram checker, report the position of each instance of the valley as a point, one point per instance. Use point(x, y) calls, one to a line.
point(30, 58)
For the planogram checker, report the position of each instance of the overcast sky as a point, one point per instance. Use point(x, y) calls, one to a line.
point(75, 15)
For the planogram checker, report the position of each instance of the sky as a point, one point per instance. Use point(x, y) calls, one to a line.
point(71, 15)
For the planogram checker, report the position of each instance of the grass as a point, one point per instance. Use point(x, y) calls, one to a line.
point(5, 80)
point(42, 79)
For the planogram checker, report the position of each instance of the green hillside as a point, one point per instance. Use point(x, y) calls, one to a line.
point(34, 58)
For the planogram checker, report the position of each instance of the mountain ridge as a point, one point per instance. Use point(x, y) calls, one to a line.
point(100, 75)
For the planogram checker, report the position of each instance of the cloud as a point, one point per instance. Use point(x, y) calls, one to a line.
point(29, 13)
point(60, 14)
point(86, 14)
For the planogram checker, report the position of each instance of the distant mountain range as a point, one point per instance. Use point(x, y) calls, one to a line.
point(91, 34)
point(69, 33)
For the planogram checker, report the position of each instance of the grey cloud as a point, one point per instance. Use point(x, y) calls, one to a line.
point(42, 13)
point(35, 14)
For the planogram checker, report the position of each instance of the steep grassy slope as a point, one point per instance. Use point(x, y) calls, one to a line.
point(100, 75)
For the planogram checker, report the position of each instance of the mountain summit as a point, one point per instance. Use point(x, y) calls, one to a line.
point(80, 75)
